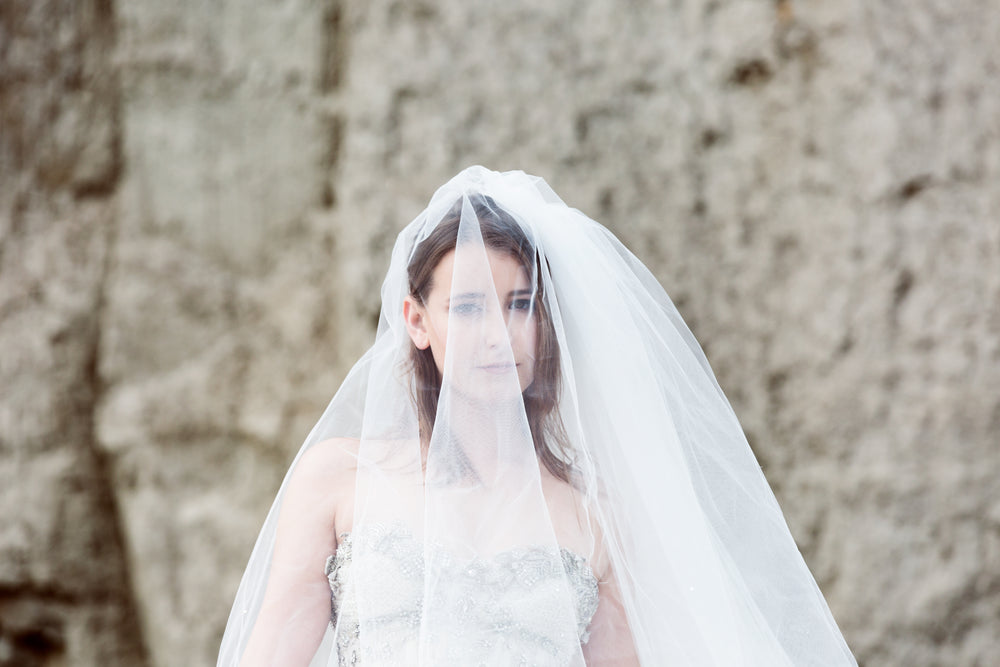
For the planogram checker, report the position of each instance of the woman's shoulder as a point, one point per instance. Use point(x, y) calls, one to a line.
point(568, 492)
point(332, 459)
point(340, 457)
point(577, 511)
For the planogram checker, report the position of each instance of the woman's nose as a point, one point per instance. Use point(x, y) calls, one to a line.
point(495, 330)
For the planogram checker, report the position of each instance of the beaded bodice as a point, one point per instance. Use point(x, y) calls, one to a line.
point(504, 607)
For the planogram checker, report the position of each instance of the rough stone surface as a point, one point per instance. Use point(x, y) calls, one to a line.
point(218, 346)
point(65, 593)
point(197, 202)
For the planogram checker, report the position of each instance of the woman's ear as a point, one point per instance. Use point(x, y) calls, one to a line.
point(416, 323)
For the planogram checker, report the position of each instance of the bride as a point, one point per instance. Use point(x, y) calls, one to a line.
point(532, 465)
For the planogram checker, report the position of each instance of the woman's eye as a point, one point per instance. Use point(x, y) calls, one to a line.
point(467, 308)
point(521, 304)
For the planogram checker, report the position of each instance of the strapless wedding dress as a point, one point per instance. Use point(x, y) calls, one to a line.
point(502, 608)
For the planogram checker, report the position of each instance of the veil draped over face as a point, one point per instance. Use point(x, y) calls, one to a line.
point(532, 464)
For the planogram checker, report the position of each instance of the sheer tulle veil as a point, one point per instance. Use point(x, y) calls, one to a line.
point(564, 408)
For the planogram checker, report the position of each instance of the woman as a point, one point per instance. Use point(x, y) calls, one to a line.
point(533, 464)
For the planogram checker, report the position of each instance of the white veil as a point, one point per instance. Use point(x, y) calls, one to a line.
point(560, 428)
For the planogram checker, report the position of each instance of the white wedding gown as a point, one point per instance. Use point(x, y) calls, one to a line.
point(506, 604)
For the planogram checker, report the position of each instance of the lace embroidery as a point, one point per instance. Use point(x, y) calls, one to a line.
point(503, 607)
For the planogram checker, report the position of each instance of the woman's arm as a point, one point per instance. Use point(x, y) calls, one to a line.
point(296, 607)
point(610, 640)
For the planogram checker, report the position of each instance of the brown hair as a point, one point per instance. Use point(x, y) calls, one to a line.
point(502, 233)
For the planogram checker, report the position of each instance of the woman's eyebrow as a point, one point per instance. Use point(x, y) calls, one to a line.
point(467, 296)
point(474, 296)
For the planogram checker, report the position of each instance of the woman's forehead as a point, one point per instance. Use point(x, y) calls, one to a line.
point(476, 270)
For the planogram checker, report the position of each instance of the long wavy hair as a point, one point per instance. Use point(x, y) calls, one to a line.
point(500, 232)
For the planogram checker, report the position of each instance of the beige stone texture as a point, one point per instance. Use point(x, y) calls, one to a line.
point(65, 593)
point(198, 198)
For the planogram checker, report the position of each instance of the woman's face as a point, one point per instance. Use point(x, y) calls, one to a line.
point(488, 324)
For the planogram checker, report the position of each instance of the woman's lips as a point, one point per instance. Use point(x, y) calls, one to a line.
point(497, 368)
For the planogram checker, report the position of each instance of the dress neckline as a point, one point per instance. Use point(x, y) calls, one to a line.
point(580, 561)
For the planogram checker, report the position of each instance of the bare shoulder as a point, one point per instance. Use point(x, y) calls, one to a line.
point(325, 469)
point(321, 483)
point(333, 456)
point(569, 513)
point(578, 517)
point(561, 493)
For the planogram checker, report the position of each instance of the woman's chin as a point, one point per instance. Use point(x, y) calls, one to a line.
point(489, 387)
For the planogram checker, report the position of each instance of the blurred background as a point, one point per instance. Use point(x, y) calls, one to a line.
point(198, 199)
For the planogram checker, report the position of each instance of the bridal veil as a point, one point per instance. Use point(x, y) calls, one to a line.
point(563, 423)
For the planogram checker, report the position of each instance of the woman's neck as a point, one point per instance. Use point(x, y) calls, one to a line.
point(480, 440)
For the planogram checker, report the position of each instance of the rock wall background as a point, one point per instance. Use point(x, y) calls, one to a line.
point(197, 201)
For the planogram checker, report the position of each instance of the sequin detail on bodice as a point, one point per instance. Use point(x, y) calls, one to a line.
point(505, 604)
